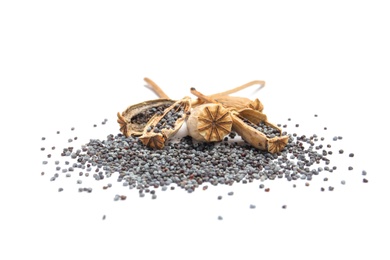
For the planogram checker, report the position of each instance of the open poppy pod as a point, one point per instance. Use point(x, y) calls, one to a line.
point(133, 120)
point(161, 128)
point(254, 128)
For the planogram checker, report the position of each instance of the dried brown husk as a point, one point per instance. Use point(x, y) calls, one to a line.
point(244, 124)
point(234, 102)
point(129, 125)
point(209, 123)
point(157, 139)
point(239, 103)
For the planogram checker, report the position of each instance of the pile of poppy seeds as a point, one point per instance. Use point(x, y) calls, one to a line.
point(191, 165)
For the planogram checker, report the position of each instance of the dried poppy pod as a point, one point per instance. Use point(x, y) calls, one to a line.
point(209, 123)
point(133, 120)
point(254, 128)
point(238, 103)
point(160, 128)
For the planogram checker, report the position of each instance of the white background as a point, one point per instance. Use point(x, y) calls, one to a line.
point(70, 64)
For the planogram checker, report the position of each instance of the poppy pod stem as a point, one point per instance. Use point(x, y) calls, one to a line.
point(160, 93)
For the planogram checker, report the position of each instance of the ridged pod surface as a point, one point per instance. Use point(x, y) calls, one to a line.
point(209, 123)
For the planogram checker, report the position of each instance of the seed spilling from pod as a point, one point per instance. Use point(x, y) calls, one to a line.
point(254, 128)
point(133, 120)
point(162, 127)
point(209, 123)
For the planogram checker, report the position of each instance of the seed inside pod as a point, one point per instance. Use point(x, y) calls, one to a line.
point(133, 120)
point(209, 122)
point(258, 132)
point(162, 127)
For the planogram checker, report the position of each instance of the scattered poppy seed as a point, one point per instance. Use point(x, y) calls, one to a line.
point(364, 172)
point(154, 196)
point(230, 193)
point(220, 218)
point(58, 132)
point(43, 138)
point(350, 168)
point(53, 148)
point(104, 217)
point(284, 206)
point(252, 206)
point(341, 151)
point(42, 173)
point(44, 162)
point(94, 125)
point(205, 187)
point(297, 125)
point(343, 182)
point(307, 184)
point(365, 180)
point(294, 185)
point(322, 189)
point(351, 155)
point(42, 148)
point(339, 137)
point(267, 190)
point(261, 186)
point(219, 197)
point(335, 138)
point(72, 128)
point(79, 182)
point(60, 189)
point(123, 197)
point(331, 188)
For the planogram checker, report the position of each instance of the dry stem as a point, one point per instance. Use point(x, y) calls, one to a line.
point(160, 93)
